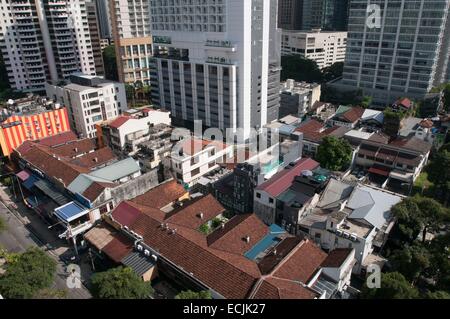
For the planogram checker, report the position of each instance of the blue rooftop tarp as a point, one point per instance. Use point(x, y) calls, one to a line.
point(29, 183)
point(70, 211)
point(268, 241)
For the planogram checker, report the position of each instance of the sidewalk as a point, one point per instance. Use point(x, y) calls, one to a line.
point(48, 240)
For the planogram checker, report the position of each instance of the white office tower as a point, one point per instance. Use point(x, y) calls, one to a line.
point(44, 39)
point(217, 61)
point(403, 53)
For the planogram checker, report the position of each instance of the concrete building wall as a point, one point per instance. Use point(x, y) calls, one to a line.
point(325, 48)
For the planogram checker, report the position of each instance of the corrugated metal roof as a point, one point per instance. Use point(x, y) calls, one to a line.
point(372, 205)
point(117, 170)
point(51, 192)
point(83, 181)
point(138, 262)
point(70, 211)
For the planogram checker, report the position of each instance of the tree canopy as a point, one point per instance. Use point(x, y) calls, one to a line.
point(300, 69)
point(189, 294)
point(332, 72)
point(393, 286)
point(110, 62)
point(334, 153)
point(439, 171)
point(445, 88)
point(410, 261)
point(120, 283)
point(418, 214)
point(30, 272)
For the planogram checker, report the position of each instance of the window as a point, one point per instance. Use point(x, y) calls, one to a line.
point(271, 200)
point(258, 195)
point(195, 171)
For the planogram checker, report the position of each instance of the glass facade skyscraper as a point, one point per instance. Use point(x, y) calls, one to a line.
point(405, 55)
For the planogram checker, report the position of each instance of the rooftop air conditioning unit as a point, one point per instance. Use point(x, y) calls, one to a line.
point(125, 227)
point(339, 232)
point(154, 257)
point(139, 247)
point(147, 252)
point(353, 237)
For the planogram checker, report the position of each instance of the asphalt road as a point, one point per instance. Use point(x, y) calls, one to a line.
point(20, 235)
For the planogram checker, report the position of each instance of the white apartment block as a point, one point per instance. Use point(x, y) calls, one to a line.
point(131, 33)
point(217, 61)
point(324, 47)
point(43, 40)
point(133, 129)
point(192, 158)
point(90, 100)
point(406, 55)
point(297, 98)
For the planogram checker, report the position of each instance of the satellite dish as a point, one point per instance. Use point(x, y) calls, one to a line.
point(11, 101)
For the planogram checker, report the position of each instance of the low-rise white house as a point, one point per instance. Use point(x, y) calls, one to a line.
point(192, 158)
point(132, 129)
point(352, 216)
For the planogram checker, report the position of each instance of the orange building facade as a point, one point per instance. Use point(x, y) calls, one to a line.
point(19, 128)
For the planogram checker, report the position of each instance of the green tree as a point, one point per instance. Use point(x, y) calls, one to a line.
point(120, 283)
point(366, 101)
point(332, 72)
point(437, 295)
point(32, 271)
point(409, 220)
point(445, 88)
point(189, 294)
point(439, 173)
point(393, 286)
point(110, 62)
point(334, 153)
point(130, 92)
point(433, 214)
point(410, 261)
point(299, 69)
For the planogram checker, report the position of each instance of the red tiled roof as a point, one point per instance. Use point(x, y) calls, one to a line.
point(189, 216)
point(58, 139)
point(73, 149)
point(125, 214)
point(426, 123)
point(161, 195)
point(310, 126)
point(405, 102)
point(192, 146)
point(275, 288)
point(118, 122)
point(228, 279)
point(233, 240)
point(302, 263)
point(118, 247)
point(283, 179)
point(58, 169)
point(353, 115)
point(336, 257)
point(95, 190)
point(96, 158)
